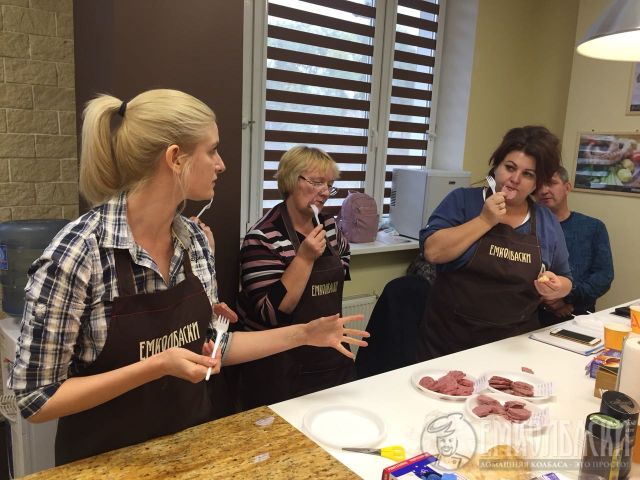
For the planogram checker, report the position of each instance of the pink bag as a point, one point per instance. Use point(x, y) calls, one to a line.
point(358, 218)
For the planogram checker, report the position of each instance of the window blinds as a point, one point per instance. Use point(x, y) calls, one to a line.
point(320, 56)
point(412, 82)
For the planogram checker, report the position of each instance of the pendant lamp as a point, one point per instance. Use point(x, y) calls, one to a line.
point(616, 34)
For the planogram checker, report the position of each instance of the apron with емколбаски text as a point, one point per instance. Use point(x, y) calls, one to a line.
point(142, 325)
point(305, 369)
point(491, 298)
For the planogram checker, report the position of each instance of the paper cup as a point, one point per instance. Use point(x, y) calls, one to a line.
point(635, 318)
point(614, 335)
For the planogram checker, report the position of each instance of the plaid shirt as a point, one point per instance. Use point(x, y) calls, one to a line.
point(70, 293)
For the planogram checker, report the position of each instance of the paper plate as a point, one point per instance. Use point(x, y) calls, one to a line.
point(546, 386)
point(344, 426)
point(436, 374)
point(539, 416)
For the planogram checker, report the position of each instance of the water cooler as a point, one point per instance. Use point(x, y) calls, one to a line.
point(31, 446)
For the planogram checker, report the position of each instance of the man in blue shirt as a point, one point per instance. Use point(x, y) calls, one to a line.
point(589, 253)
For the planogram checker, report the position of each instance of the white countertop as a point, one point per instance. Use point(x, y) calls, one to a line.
point(404, 408)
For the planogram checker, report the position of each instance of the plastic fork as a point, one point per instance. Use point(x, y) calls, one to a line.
point(205, 208)
point(492, 183)
point(315, 214)
point(220, 325)
point(396, 452)
point(543, 269)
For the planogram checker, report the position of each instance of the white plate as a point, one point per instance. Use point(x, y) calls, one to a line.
point(538, 420)
point(518, 377)
point(344, 426)
point(436, 374)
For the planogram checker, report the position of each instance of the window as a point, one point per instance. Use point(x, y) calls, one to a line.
point(353, 77)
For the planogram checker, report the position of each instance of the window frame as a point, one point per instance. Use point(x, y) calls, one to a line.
point(254, 104)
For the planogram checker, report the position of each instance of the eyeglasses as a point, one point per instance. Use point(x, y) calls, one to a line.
point(320, 186)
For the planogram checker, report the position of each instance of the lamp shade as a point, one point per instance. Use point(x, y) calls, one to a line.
point(616, 34)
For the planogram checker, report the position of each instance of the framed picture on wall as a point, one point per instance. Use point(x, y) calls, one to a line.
point(608, 163)
point(634, 91)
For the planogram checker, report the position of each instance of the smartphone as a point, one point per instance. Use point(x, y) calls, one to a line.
point(575, 336)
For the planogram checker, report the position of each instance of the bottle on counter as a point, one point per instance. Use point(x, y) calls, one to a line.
point(623, 408)
point(602, 447)
point(628, 379)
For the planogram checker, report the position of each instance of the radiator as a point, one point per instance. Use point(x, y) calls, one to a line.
point(358, 304)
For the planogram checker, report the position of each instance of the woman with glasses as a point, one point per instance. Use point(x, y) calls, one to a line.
point(292, 271)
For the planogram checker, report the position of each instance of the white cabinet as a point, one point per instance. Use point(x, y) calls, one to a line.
point(415, 193)
point(32, 445)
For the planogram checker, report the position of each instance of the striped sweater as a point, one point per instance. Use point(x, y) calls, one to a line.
point(265, 254)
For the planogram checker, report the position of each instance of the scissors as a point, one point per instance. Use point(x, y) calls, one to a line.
point(395, 452)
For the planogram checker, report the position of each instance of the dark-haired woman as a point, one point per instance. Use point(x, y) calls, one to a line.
point(498, 254)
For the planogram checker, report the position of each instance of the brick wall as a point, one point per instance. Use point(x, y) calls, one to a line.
point(38, 158)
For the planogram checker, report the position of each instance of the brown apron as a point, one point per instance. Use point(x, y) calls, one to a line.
point(141, 325)
point(490, 298)
point(306, 369)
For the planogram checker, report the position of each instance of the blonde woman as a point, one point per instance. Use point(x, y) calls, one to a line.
point(292, 270)
point(117, 307)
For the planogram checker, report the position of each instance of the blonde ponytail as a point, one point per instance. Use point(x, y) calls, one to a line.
point(115, 160)
point(99, 176)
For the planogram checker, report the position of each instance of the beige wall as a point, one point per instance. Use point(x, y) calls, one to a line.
point(371, 272)
point(38, 165)
point(521, 72)
point(597, 101)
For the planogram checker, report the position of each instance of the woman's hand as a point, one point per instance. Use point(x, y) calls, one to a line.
point(313, 245)
point(187, 365)
point(549, 286)
point(494, 209)
point(207, 232)
point(331, 332)
point(80, 393)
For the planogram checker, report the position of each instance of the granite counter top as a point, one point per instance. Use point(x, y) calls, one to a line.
point(231, 447)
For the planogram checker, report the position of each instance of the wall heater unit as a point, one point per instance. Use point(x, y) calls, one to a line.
point(359, 304)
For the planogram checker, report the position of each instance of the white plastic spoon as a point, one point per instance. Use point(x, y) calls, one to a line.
point(205, 208)
point(315, 213)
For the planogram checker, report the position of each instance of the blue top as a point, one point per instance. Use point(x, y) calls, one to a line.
point(464, 204)
point(590, 260)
